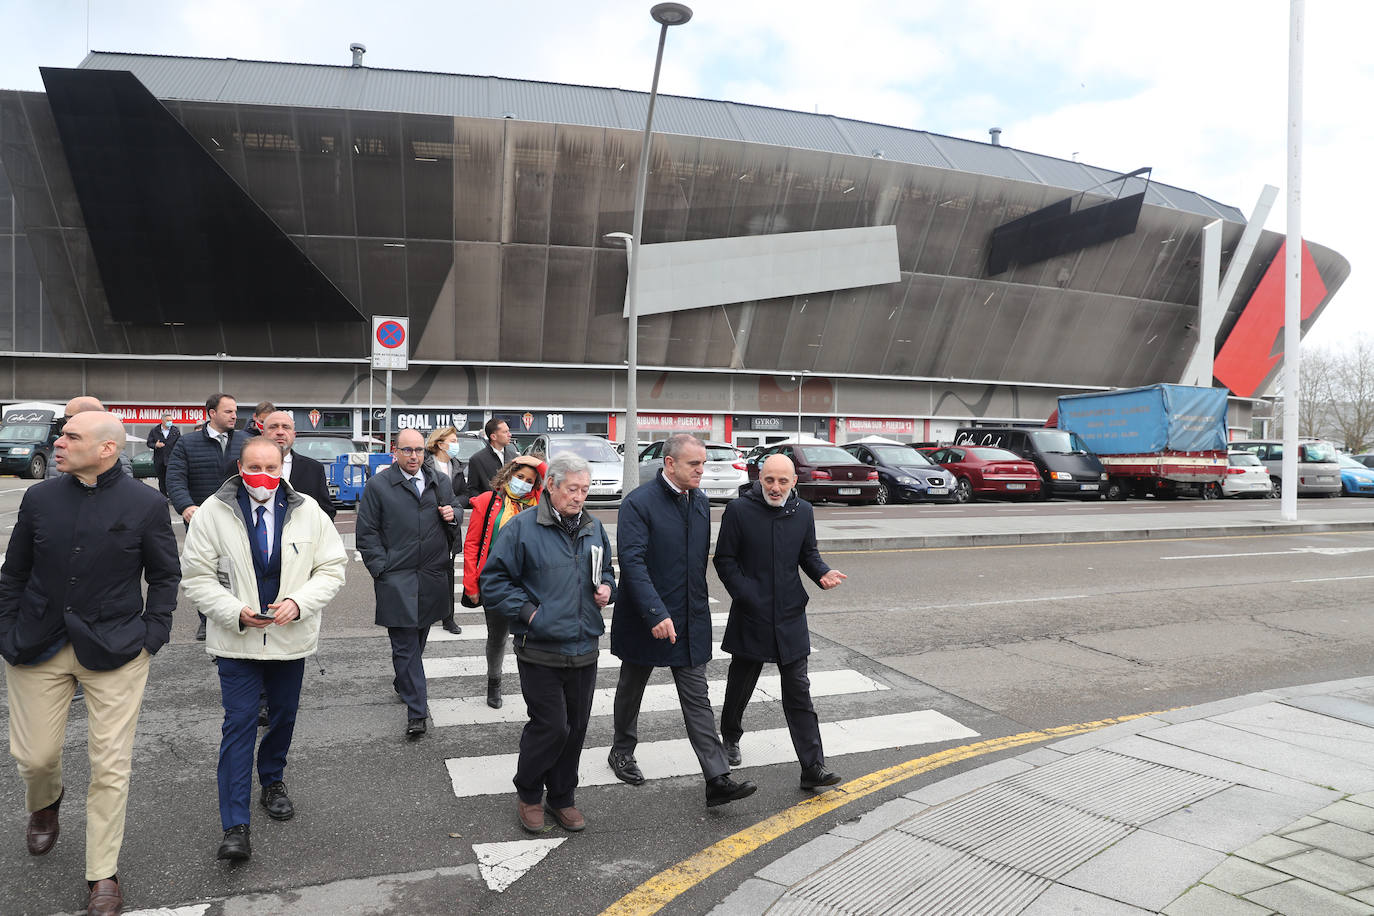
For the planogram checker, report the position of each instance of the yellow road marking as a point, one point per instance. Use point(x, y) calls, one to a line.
point(667, 885)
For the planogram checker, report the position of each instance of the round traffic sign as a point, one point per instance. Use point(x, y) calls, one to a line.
point(390, 334)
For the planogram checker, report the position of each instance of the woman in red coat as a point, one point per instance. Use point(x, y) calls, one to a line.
point(515, 488)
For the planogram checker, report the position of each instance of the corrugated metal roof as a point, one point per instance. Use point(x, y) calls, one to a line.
point(459, 95)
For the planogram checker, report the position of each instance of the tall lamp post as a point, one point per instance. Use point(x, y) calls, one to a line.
point(665, 14)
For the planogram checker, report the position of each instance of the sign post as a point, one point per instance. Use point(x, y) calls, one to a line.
point(390, 351)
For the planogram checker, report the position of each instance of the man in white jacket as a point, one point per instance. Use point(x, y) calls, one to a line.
point(261, 561)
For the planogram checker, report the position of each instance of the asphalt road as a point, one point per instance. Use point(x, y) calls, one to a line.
point(994, 640)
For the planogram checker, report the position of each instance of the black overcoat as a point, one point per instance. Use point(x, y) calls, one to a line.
point(758, 554)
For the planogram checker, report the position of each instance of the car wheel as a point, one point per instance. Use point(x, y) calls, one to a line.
point(1116, 490)
point(38, 467)
point(883, 495)
point(1210, 491)
point(1278, 488)
point(963, 491)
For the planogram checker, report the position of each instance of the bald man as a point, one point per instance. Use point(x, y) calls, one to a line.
point(84, 404)
point(72, 611)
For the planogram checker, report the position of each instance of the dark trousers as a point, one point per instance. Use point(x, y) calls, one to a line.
point(162, 480)
point(407, 659)
point(692, 696)
point(498, 628)
point(802, 722)
point(240, 683)
point(559, 701)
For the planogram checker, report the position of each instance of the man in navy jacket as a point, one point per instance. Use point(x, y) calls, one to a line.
point(765, 536)
point(72, 612)
point(663, 617)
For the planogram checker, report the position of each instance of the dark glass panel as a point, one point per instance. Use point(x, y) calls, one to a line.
point(477, 179)
point(48, 144)
point(258, 338)
point(268, 138)
point(110, 336)
point(326, 172)
point(567, 305)
point(429, 265)
point(337, 259)
point(578, 171)
point(7, 246)
point(477, 294)
point(427, 162)
point(375, 144)
point(618, 183)
point(532, 149)
point(383, 270)
point(522, 301)
point(32, 203)
point(60, 296)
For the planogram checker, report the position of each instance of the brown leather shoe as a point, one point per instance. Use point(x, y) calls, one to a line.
point(106, 899)
point(568, 818)
point(532, 818)
point(42, 831)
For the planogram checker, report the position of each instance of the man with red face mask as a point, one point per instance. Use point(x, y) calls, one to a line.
point(261, 561)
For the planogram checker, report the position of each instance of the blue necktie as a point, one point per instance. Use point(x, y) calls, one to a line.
point(261, 530)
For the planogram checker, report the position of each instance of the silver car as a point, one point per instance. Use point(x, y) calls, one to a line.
point(606, 463)
point(725, 471)
point(1318, 472)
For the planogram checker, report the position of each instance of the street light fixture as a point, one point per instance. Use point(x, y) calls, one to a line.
point(665, 14)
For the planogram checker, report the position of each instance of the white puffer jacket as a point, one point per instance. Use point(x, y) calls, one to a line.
point(218, 576)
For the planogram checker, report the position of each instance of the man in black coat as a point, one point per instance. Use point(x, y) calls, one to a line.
point(662, 617)
point(482, 467)
point(765, 536)
point(408, 520)
point(305, 474)
point(202, 460)
point(161, 440)
point(72, 612)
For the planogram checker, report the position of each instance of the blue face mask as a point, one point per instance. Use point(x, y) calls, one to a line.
point(519, 488)
point(452, 449)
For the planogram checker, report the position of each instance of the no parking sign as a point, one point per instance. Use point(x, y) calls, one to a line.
point(390, 342)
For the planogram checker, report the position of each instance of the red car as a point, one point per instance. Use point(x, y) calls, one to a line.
point(824, 472)
point(982, 471)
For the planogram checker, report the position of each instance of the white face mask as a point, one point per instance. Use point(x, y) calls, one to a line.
point(518, 487)
point(452, 449)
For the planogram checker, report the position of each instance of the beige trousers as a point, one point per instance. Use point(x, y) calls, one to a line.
point(40, 696)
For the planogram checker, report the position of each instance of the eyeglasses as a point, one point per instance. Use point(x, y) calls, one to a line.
point(410, 450)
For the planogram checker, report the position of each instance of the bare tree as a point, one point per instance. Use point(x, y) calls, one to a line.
point(1316, 391)
point(1352, 402)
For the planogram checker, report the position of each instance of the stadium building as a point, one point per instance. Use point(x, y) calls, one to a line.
point(172, 226)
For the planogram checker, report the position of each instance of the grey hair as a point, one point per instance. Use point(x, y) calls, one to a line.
point(565, 463)
point(678, 442)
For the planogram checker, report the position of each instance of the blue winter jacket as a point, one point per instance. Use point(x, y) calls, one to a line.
point(197, 467)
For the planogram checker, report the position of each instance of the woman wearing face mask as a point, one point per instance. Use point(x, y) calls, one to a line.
point(442, 458)
point(515, 488)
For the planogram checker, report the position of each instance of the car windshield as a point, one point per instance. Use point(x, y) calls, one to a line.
point(1346, 461)
point(899, 456)
point(1058, 441)
point(995, 454)
point(324, 449)
point(1313, 452)
point(825, 454)
point(23, 433)
point(589, 449)
point(469, 446)
point(1244, 460)
point(721, 453)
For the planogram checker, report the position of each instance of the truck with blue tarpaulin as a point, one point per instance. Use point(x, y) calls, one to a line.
point(1164, 440)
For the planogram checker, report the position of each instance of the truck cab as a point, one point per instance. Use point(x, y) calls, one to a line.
point(27, 436)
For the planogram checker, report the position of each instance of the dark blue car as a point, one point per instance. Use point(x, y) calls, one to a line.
point(904, 474)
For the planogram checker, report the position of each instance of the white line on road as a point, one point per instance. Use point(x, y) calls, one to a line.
point(1228, 556)
point(1333, 579)
point(473, 665)
point(936, 607)
point(491, 775)
point(657, 698)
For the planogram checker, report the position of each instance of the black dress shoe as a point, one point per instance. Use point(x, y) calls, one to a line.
point(494, 692)
point(722, 790)
point(235, 847)
point(451, 626)
point(732, 755)
point(813, 777)
point(625, 768)
point(277, 802)
point(416, 727)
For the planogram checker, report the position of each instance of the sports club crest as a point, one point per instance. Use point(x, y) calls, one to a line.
point(314, 418)
point(528, 420)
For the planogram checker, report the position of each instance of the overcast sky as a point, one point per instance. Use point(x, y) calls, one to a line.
point(1195, 88)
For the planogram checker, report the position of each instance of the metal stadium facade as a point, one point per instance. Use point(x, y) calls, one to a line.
point(172, 226)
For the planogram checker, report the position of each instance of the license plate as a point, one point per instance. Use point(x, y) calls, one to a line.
point(726, 491)
point(333, 491)
point(1087, 486)
point(1326, 480)
point(602, 491)
point(1016, 486)
point(939, 491)
point(849, 491)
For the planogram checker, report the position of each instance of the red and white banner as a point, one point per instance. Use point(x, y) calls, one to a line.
point(675, 422)
point(137, 413)
point(880, 427)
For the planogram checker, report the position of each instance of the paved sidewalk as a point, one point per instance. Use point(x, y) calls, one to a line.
point(1258, 804)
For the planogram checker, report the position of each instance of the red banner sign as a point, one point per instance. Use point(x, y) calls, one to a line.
point(880, 427)
point(135, 413)
point(675, 422)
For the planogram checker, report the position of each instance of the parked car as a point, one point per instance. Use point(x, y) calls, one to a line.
point(1318, 472)
point(904, 474)
point(824, 473)
point(1246, 476)
point(1356, 478)
point(724, 475)
point(607, 464)
point(981, 471)
point(27, 436)
point(141, 457)
point(1367, 459)
point(325, 447)
point(1067, 468)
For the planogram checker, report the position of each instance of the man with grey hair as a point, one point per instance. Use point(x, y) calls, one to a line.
point(555, 610)
point(663, 617)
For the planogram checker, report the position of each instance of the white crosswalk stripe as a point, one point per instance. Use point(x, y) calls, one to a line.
point(473, 665)
point(479, 630)
point(657, 697)
point(491, 775)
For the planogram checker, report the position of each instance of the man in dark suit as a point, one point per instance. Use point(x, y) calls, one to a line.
point(161, 440)
point(305, 474)
point(482, 467)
